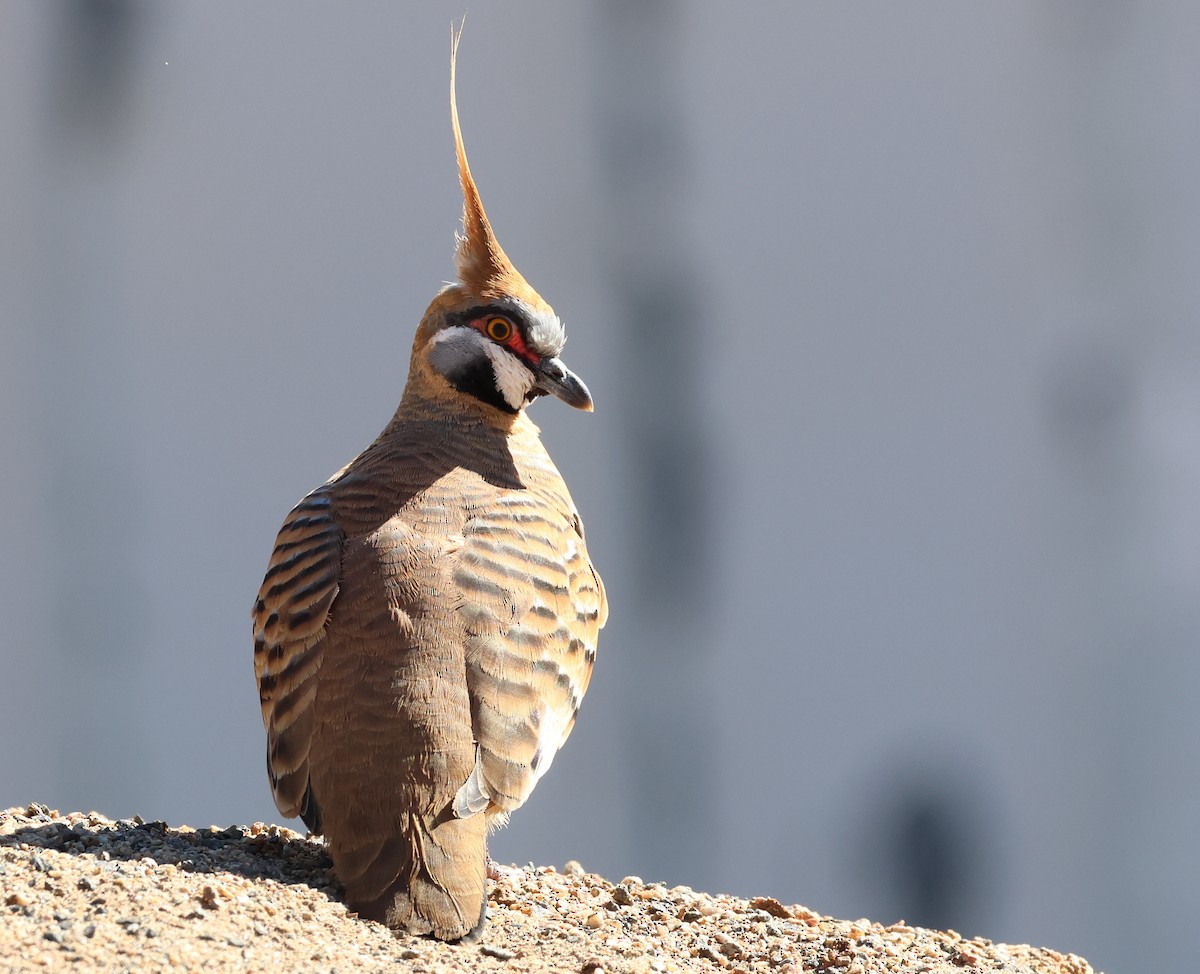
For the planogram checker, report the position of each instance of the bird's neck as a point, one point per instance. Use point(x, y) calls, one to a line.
point(423, 403)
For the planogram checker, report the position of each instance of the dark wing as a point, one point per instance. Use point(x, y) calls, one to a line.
point(289, 634)
point(533, 606)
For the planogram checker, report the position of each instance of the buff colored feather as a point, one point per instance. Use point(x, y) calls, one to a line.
point(482, 264)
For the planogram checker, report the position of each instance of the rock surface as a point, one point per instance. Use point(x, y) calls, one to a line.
point(80, 892)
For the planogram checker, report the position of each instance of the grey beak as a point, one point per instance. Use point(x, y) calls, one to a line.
point(556, 379)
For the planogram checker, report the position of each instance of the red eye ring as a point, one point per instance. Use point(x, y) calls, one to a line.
point(498, 329)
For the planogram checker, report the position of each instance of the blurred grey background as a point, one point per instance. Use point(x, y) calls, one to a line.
point(890, 313)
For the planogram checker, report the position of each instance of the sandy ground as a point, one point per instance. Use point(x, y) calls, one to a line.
point(80, 893)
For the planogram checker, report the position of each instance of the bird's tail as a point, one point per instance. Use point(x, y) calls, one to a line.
point(424, 878)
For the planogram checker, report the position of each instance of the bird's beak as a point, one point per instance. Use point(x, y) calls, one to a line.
point(556, 379)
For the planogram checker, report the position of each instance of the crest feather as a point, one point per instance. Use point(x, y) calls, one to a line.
point(480, 261)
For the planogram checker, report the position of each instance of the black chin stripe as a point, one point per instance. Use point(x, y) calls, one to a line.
point(477, 379)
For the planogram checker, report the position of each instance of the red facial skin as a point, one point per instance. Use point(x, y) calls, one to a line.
point(515, 341)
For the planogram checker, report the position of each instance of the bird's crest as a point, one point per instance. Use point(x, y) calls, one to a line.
point(481, 262)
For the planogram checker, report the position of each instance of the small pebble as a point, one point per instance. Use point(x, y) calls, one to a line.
point(498, 952)
point(768, 904)
point(731, 950)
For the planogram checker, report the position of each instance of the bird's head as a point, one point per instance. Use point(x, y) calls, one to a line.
point(490, 336)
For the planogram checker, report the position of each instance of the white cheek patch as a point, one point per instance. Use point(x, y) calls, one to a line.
point(513, 379)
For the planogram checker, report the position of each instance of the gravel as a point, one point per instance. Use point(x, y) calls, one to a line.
point(80, 892)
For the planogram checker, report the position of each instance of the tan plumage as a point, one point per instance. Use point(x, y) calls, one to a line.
point(428, 622)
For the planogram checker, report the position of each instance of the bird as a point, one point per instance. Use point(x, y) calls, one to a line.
point(427, 625)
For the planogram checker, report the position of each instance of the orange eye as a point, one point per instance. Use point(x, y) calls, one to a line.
point(499, 329)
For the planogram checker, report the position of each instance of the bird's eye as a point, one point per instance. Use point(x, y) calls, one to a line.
point(499, 329)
